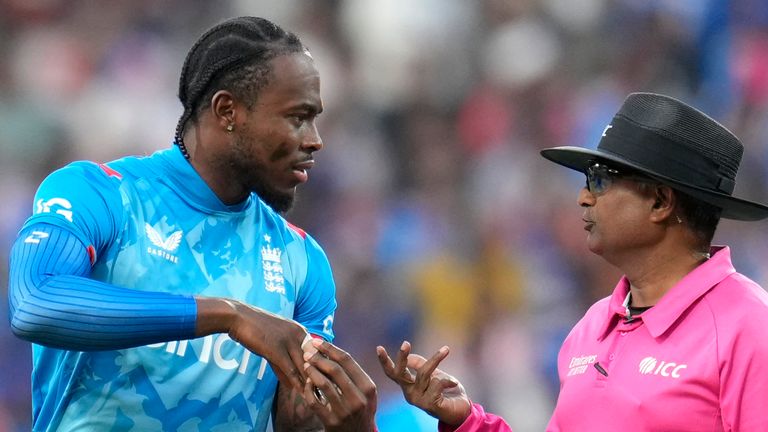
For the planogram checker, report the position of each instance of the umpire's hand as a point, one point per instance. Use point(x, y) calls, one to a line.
point(425, 386)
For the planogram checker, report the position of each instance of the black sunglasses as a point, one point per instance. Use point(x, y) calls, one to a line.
point(600, 177)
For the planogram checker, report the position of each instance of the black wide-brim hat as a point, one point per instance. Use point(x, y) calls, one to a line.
point(674, 143)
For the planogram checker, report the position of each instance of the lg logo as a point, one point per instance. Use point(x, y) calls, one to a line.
point(650, 365)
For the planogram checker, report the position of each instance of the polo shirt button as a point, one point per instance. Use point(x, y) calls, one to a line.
point(623, 333)
point(611, 357)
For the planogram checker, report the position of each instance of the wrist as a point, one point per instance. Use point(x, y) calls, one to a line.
point(215, 315)
point(450, 423)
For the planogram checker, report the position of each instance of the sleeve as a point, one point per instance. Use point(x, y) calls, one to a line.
point(478, 421)
point(744, 375)
point(316, 303)
point(82, 198)
point(54, 303)
point(77, 214)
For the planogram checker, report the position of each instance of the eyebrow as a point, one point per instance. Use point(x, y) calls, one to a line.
point(310, 107)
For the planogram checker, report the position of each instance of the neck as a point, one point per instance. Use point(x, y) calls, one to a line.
point(653, 274)
point(216, 175)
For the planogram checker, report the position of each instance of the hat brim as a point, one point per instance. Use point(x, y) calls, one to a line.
point(578, 158)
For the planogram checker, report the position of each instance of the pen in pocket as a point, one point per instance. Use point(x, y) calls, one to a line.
point(601, 369)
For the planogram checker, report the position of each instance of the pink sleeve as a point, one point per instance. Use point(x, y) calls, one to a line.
point(744, 380)
point(478, 421)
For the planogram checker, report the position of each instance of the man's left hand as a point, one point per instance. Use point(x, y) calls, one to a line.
point(347, 398)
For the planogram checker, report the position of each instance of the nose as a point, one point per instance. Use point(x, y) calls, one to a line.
point(586, 198)
point(311, 141)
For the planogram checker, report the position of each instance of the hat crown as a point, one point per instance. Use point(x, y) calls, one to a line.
point(675, 144)
point(686, 126)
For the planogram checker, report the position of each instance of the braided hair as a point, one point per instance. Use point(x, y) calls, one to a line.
point(234, 55)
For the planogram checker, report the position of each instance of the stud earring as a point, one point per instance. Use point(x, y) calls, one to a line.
point(230, 127)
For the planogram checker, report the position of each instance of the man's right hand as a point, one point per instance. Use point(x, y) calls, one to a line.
point(271, 336)
point(434, 391)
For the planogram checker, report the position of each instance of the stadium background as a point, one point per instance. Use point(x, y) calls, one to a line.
point(442, 223)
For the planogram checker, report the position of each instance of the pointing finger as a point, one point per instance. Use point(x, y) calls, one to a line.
point(424, 373)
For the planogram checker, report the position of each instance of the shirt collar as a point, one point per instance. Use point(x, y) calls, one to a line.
point(677, 300)
point(182, 176)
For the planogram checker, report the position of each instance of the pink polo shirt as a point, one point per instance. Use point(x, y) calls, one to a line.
point(696, 361)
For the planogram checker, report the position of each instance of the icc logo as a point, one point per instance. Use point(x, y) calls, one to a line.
point(650, 366)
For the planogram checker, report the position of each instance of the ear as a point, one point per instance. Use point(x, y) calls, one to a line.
point(663, 207)
point(223, 106)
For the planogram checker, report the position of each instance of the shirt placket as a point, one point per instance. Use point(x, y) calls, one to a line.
point(618, 339)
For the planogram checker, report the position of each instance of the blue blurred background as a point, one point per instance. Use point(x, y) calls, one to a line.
point(443, 224)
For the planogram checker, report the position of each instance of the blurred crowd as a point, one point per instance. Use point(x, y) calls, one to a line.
point(442, 223)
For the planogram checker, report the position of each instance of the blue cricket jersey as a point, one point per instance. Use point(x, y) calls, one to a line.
point(152, 224)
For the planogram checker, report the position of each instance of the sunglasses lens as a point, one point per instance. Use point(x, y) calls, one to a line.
point(598, 179)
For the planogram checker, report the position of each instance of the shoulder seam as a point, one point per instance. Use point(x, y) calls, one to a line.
point(111, 172)
point(296, 229)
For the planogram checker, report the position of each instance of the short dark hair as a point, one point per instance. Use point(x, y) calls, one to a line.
point(702, 217)
point(234, 55)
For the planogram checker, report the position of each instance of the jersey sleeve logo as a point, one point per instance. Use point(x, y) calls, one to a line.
point(35, 237)
point(56, 205)
point(328, 324)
